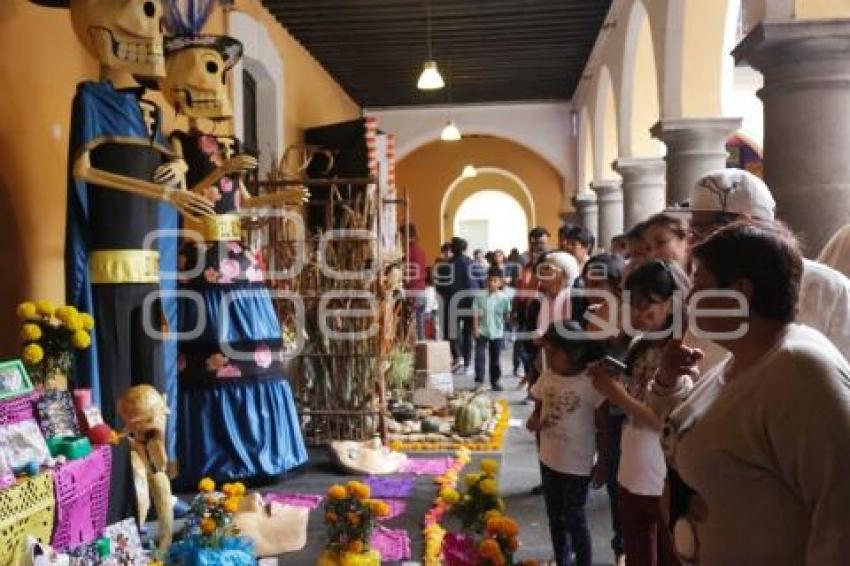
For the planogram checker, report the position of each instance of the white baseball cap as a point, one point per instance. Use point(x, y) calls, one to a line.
point(565, 262)
point(735, 191)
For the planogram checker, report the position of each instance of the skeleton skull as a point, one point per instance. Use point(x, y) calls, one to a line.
point(122, 34)
point(195, 83)
point(369, 457)
point(144, 411)
point(274, 528)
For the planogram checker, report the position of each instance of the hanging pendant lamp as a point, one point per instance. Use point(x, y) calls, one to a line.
point(450, 132)
point(430, 78)
point(469, 171)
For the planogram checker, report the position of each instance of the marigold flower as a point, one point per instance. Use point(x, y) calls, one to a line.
point(32, 354)
point(206, 485)
point(489, 466)
point(380, 508)
point(337, 492)
point(87, 321)
point(472, 479)
point(355, 546)
point(358, 490)
point(331, 518)
point(510, 528)
point(208, 526)
point(31, 332)
point(231, 504)
point(489, 548)
point(489, 487)
point(45, 308)
point(449, 495)
point(27, 311)
point(353, 519)
point(81, 340)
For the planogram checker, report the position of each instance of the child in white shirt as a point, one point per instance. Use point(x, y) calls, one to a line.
point(565, 416)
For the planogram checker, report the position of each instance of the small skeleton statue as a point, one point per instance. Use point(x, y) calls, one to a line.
point(144, 411)
point(125, 190)
point(219, 267)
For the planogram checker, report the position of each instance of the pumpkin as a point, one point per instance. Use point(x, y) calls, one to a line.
point(471, 418)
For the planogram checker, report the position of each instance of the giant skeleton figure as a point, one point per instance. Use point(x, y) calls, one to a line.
point(236, 416)
point(124, 185)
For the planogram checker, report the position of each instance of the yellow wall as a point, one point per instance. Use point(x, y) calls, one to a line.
point(813, 9)
point(40, 65)
point(427, 173)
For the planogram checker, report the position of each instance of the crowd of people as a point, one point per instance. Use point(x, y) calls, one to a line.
point(698, 369)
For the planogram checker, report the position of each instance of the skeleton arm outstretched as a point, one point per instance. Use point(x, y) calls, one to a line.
point(189, 204)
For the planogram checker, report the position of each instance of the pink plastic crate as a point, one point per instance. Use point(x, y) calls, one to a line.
point(82, 498)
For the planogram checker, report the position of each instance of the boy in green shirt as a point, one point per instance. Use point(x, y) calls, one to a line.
point(490, 309)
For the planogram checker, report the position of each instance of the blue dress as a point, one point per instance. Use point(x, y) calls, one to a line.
point(236, 413)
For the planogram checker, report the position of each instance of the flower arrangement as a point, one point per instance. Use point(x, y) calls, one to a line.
point(500, 541)
point(447, 497)
point(493, 444)
point(50, 334)
point(350, 516)
point(211, 536)
point(482, 497)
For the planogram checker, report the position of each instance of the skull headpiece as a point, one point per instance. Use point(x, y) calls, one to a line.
point(143, 410)
point(121, 34)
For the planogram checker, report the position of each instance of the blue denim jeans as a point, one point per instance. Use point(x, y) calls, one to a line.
point(566, 497)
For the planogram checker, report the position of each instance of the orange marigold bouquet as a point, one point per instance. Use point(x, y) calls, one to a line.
point(350, 517)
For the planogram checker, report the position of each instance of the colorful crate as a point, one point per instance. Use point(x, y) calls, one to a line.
point(82, 498)
point(26, 509)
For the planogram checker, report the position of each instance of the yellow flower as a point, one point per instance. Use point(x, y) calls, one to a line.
point(472, 479)
point(449, 495)
point(489, 466)
point(27, 311)
point(337, 492)
point(73, 323)
point(379, 508)
point(492, 514)
point(358, 490)
point(66, 313)
point(355, 546)
point(240, 488)
point(87, 321)
point(206, 485)
point(489, 487)
point(81, 340)
point(45, 308)
point(33, 354)
point(31, 332)
point(208, 525)
point(231, 504)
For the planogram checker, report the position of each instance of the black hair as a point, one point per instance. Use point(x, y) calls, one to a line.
point(767, 254)
point(581, 234)
point(564, 230)
point(495, 272)
point(459, 245)
point(605, 266)
point(568, 336)
point(447, 247)
point(538, 232)
point(636, 231)
point(410, 231)
point(657, 280)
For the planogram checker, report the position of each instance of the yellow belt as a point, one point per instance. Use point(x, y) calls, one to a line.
point(220, 228)
point(124, 266)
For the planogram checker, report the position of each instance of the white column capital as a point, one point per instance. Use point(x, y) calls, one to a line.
point(640, 168)
point(607, 190)
point(690, 134)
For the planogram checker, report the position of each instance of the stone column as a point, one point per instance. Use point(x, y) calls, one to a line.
point(806, 98)
point(644, 187)
point(588, 210)
point(695, 146)
point(609, 195)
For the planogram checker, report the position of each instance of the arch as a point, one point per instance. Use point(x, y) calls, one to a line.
point(262, 60)
point(709, 33)
point(605, 138)
point(585, 151)
point(505, 219)
point(489, 178)
point(639, 100)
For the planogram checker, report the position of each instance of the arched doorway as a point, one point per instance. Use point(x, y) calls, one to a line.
point(491, 219)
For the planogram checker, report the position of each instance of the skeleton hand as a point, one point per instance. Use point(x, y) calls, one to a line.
point(239, 164)
point(292, 196)
point(172, 174)
point(190, 205)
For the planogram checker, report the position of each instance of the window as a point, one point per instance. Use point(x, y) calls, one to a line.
point(250, 137)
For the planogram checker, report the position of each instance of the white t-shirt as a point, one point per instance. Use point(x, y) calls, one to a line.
point(568, 437)
point(825, 304)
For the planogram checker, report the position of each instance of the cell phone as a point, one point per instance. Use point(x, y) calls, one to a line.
point(614, 363)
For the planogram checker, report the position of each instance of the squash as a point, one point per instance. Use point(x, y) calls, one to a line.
point(472, 417)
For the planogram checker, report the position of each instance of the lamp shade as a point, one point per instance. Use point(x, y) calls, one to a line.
point(469, 171)
point(450, 132)
point(430, 79)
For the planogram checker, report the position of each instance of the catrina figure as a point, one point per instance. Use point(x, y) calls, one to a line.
point(123, 186)
point(236, 417)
